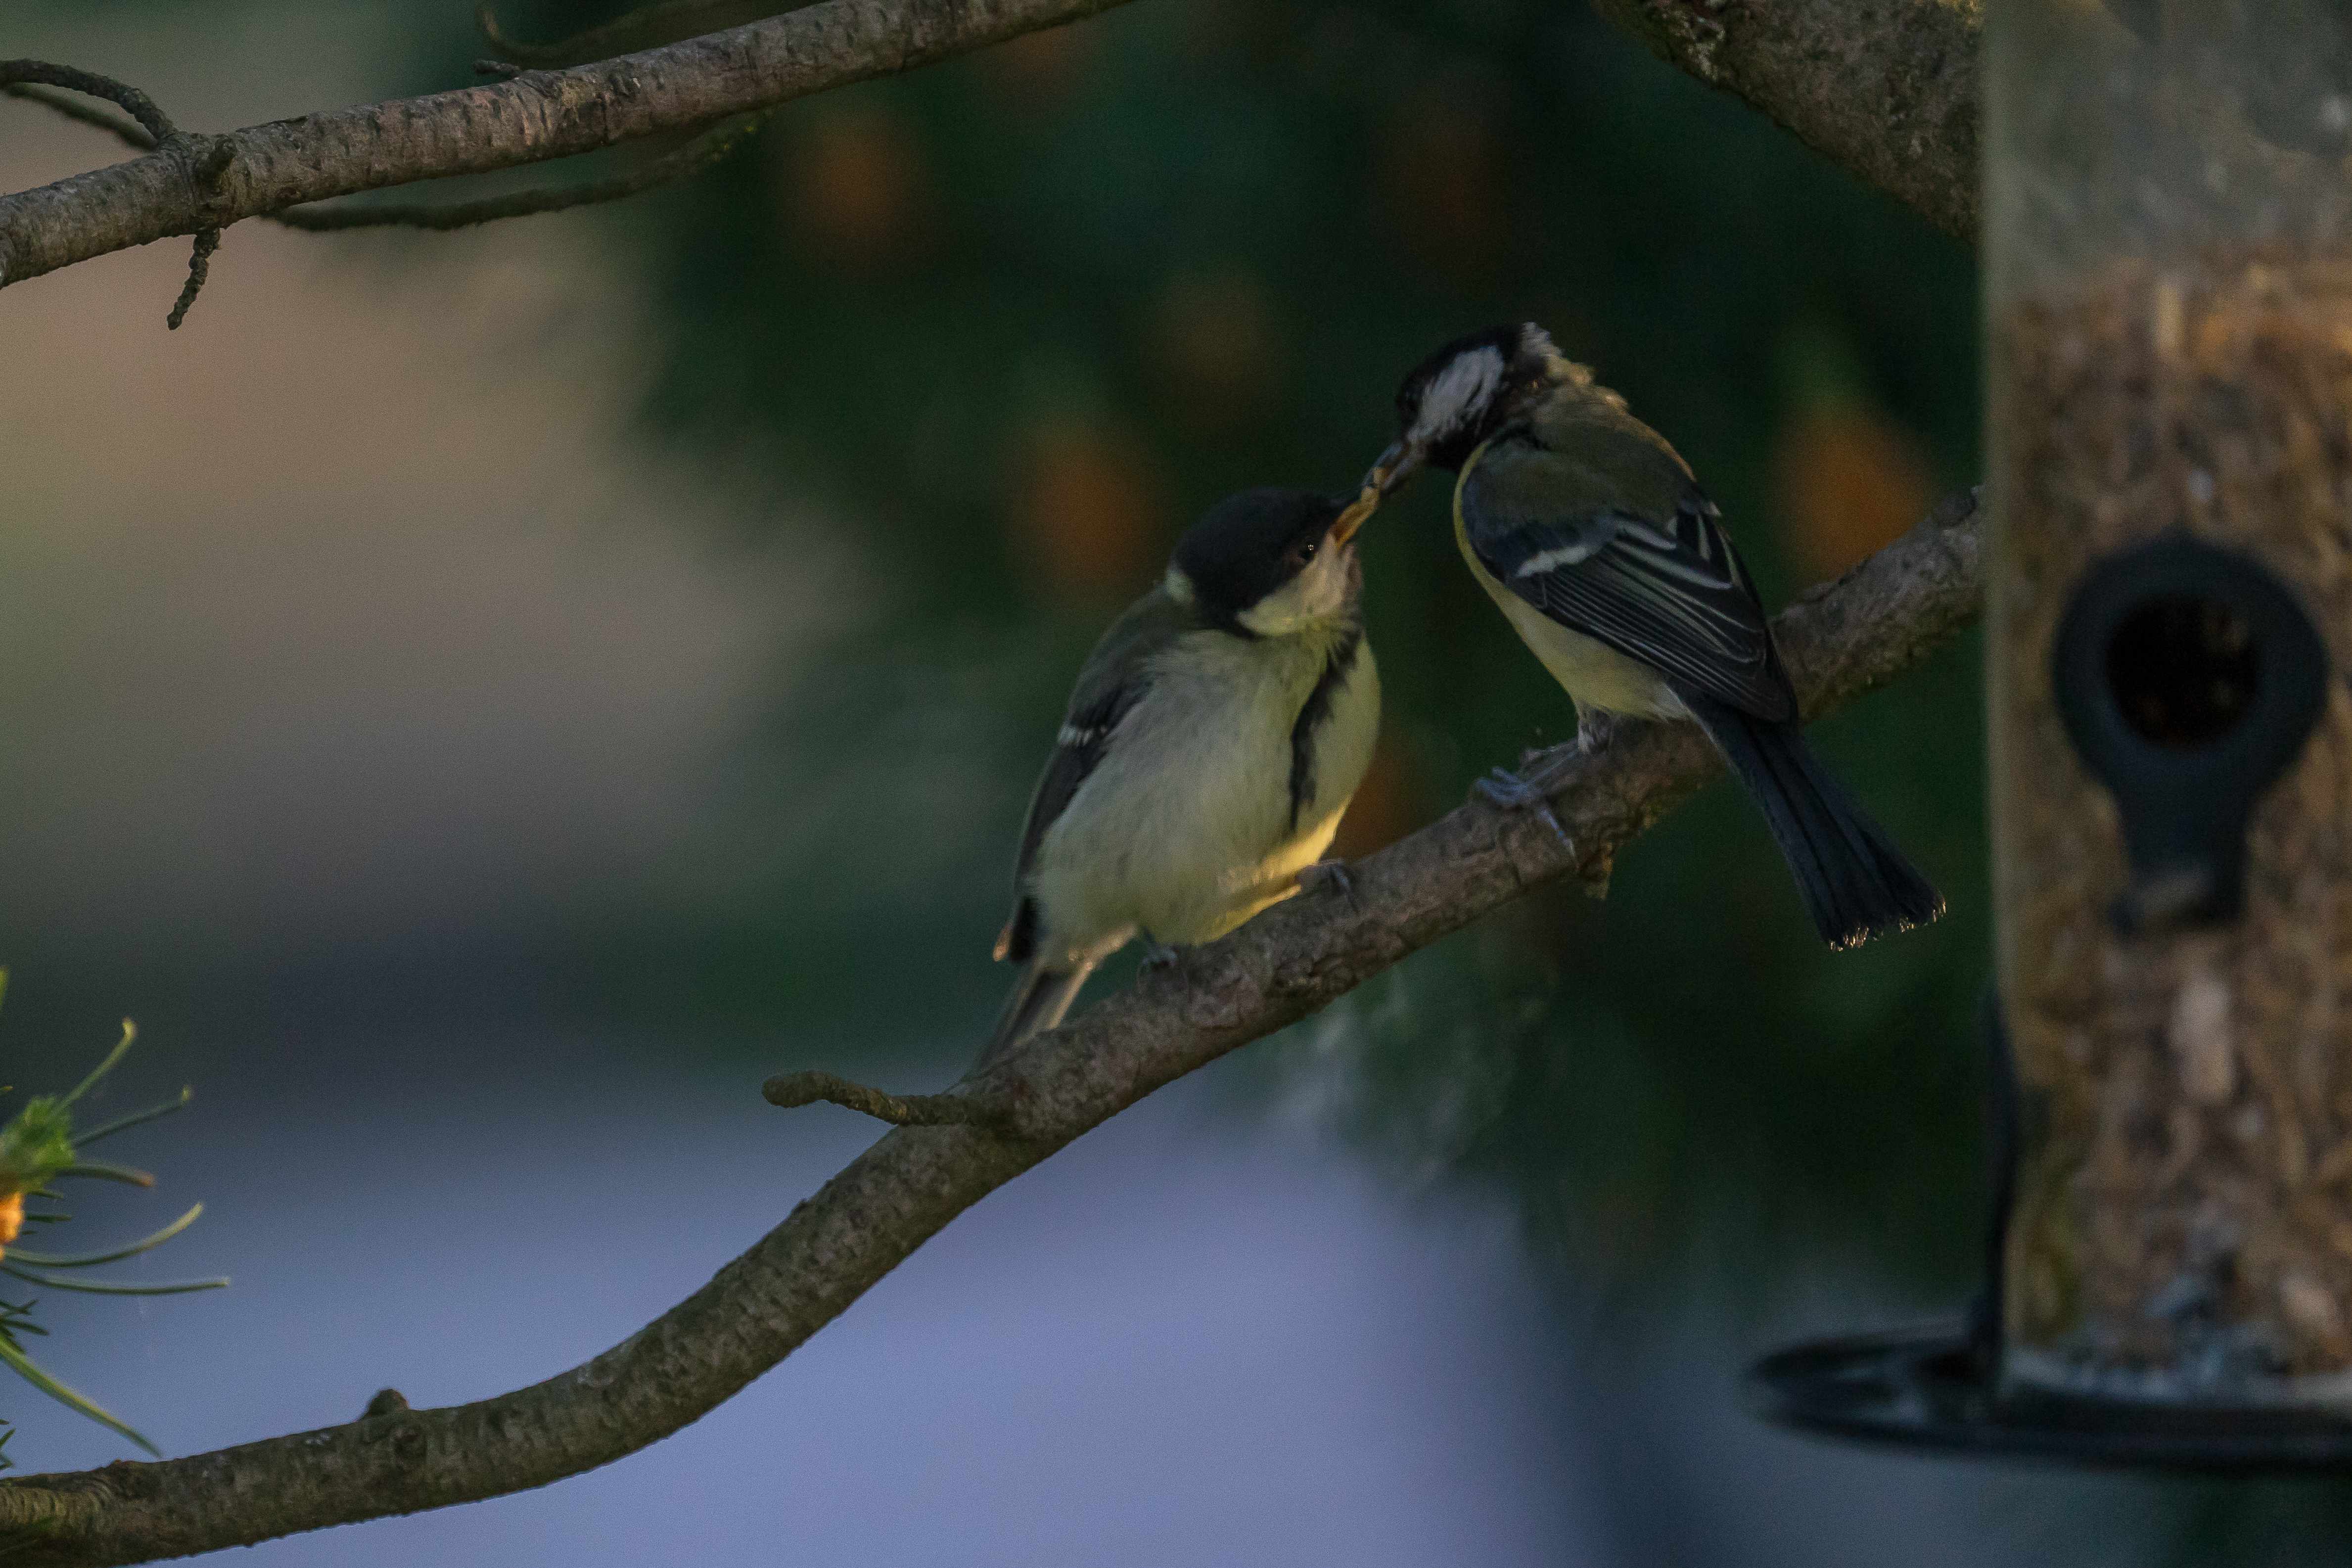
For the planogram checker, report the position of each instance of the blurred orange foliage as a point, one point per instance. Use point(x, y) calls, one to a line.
point(854, 184)
point(1847, 480)
point(1218, 344)
point(1443, 185)
point(1088, 510)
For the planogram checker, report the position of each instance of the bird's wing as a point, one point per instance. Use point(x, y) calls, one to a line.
point(1637, 562)
point(1113, 681)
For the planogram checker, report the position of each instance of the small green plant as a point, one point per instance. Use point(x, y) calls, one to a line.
point(39, 1148)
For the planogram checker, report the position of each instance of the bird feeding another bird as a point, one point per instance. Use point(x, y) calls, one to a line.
point(1591, 535)
point(1212, 740)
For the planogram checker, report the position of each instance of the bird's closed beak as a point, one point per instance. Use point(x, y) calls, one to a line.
point(1396, 465)
point(1358, 513)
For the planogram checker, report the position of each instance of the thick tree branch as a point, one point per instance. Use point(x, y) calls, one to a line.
point(1885, 88)
point(1840, 642)
point(1888, 88)
point(531, 118)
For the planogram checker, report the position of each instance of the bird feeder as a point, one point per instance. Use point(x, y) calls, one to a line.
point(2169, 310)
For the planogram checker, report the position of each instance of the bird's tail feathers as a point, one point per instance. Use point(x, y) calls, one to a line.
point(1048, 984)
point(1855, 883)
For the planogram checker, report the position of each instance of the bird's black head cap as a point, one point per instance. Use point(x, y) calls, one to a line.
point(1473, 386)
point(1250, 545)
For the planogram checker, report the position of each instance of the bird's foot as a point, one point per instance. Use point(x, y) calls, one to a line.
point(1527, 792)
point(1158, 955)
point(1512, 792)
point(1594, 730)
point(1326, 874)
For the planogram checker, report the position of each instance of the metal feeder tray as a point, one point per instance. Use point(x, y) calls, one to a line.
point(1929, 1389)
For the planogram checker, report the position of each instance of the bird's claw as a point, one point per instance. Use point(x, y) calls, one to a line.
point(1327, 873)
point(1511, 792)
point(1157, 955)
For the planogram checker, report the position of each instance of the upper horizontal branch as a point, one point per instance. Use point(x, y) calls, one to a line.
point(529, 118)
point(1298, 957)
point(1886, 89)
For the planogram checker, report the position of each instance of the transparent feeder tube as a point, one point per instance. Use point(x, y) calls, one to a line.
point(2169, 333)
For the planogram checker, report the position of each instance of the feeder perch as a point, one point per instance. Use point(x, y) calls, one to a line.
point(2169, 320)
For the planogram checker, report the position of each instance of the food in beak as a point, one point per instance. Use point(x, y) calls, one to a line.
point(1359, 512)
point(1396, 465)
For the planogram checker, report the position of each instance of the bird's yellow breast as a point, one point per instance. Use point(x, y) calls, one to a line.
point(1596, 675)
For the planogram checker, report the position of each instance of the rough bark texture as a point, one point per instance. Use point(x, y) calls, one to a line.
point(1885, 88)
point(199, 182)
point(1298, 957)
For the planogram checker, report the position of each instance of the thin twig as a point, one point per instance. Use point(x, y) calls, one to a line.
point(130, 136)
point(691, 159)
point(200, 266)
point(73, 78)
point(793, 1090)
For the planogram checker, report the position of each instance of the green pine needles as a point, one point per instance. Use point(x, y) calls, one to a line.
point(38, 1149)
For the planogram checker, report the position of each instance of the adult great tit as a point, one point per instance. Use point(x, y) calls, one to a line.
point(1216, 734)
point(1591, 535)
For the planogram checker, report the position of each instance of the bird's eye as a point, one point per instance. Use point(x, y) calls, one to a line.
point(1301, 554)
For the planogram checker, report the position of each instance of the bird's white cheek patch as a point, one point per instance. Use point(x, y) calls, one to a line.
point(1459, 391)
point(1279, 613)
point(1317, 594)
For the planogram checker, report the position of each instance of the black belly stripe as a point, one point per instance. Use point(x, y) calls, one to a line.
point(1312, 714)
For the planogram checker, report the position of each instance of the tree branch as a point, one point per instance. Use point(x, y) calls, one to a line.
point(790, 1090)
point(1839, 642)
point(203, 160)
point(1885, 88)
point(697, 155)
point(1888, 88)
point(138, 105)
point(531, 118)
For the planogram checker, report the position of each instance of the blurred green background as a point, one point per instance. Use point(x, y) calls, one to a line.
point(919, 387)
point(1015, 321)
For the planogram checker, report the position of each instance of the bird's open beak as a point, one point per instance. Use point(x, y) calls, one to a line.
point(1396, 465)
point(1358, 513)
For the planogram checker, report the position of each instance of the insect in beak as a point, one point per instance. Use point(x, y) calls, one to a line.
point(1396, 465)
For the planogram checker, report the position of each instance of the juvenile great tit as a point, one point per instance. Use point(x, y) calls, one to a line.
point(1591, 535)
point(1216, 734)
